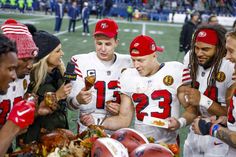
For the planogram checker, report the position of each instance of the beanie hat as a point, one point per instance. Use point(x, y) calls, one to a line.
point(19, 33)
point(107, 27)
point(145, 46)
point(32, 29)
point(208, 36)
point(46, 43)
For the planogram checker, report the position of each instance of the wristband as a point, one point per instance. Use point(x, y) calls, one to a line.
point(214, 129)
point(182, 121)
point(205, 101)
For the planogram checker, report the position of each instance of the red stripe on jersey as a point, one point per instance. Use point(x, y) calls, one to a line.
point(74, 61)
point(187, 74)
point(186, 80)
point(78, 71)
point(187, 69)
point(80, 75)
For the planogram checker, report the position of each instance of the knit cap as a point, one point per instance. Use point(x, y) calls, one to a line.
point(19, 33)
point(46, 43)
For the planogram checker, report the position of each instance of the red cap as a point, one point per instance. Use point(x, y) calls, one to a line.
point(145, 46)
point(208, 36)
point(107, 27)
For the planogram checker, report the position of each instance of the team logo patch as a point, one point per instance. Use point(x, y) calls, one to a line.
point(25, 84)
point(136, 44)
point(104, 25)
point(168, 80)
point(153, 47)
point(91, 72)
point(220, 77)
point(202, 34)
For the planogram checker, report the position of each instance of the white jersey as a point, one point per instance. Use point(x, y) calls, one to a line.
point(198, 145)
point(14, 94)
point(231, 123)
point(154, 96)
point(223, 81)
point(106, 85)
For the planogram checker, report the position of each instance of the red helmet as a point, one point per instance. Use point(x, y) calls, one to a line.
point(130, 138)
point(108, 147)
point(151, 150)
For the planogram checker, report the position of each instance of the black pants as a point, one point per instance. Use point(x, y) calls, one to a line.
point(72, 24)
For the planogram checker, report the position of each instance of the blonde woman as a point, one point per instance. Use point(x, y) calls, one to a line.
point(47, 76)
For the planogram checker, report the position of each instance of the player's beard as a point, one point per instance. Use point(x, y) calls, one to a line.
point(208, 63)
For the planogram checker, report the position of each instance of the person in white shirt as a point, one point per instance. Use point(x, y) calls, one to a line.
point(104, 64)
point(211, 77)
point(148, 91)
point(217, 128)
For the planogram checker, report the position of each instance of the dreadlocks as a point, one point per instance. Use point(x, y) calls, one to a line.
point(217, 58)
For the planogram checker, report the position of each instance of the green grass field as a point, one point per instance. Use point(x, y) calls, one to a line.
point(165, 35)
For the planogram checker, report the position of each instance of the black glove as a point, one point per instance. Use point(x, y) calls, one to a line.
point(204, 127)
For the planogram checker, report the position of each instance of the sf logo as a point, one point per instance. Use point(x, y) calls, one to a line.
point(104, 25)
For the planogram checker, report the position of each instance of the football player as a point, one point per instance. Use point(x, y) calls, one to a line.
point(149, 91)
point(105, 65)
point(211, 76)
point(20, 112)
point(27, 50)
point(217, 128)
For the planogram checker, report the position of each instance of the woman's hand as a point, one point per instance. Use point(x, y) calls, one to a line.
point(63, 91)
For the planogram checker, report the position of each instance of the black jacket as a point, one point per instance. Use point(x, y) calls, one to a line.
point(186, 36)
point(58, 119)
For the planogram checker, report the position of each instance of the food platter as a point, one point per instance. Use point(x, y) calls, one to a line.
point(157, 122)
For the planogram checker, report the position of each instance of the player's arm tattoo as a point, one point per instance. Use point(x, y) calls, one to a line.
point(227, 136)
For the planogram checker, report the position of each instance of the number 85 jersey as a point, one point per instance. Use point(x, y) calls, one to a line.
point(154, 96)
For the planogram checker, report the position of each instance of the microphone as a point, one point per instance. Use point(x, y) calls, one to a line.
point(69, 74)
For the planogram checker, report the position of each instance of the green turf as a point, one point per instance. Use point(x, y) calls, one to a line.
point(74, 43)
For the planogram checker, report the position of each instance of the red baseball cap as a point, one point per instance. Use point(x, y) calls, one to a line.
point(107, 27)
point(145, 46)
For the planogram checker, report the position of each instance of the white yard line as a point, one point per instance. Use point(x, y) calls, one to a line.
point(143, 29)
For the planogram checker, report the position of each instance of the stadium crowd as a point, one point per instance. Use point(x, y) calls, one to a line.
point(116, 91)
point(151, 9)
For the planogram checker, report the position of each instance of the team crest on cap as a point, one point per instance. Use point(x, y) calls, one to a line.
point(153, 47)
point(202, 34)
point(25, 84)
point(220, 77)
point(136, 44)
point(104, 25)
point(168, 80)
